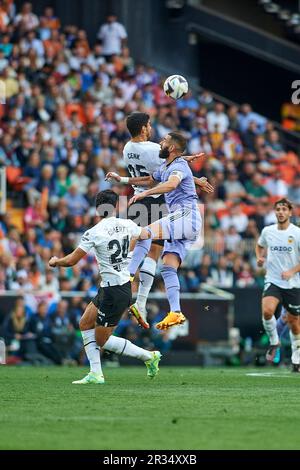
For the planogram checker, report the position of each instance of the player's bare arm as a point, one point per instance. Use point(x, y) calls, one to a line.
point(260, 255)
point(138, 181)
point(161, 188)
point(286, 275)
point(203, 184)
point(192, 158)
point(69, 260)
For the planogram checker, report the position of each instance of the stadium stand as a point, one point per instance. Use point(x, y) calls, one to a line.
point(62, 128)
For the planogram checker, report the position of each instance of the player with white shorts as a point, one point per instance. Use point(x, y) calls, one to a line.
point(281, 241)
point(179, 229)
point(142, 159)
point(109, 240)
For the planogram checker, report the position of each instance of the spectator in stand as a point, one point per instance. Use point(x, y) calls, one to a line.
point(19, 339)
point(219, 118)
point(247, 116)
point(221, 275)
point(294, 191)
point(255, 190)
point(26, 20)
point(76, 202)
point(62, 330)
point(39, 326)
point(112, 36)
point(48, 23)
point(245, 276)
point(79, 179)
point(233, 239)
point(235, 218)
point(276, 186)
point(233, 187)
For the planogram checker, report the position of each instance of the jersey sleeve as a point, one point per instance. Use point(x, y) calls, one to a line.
point(262, 241)
point(134, 229)
point(86, 242)
point(180, 170)
point(179, 174)
point(157, 175)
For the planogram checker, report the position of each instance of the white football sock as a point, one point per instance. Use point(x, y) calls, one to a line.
point(271, 330)
point(125, 347)
point(295, 344)
point(147, 273)
point(92, 350)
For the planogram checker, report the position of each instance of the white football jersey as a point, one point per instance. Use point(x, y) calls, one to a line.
point(283, 254)
point(142, 159)
point(110, 241)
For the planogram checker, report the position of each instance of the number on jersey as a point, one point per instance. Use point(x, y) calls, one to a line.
point(137, 171)
point(118, 252)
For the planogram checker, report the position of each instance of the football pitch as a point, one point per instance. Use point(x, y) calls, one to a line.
point(181, 409)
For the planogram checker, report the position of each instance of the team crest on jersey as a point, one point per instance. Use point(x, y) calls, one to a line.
point(290, 239)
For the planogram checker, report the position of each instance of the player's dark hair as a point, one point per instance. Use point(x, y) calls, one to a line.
point(179, 140)
point(135, 122)
point(106, 201)
point(285, 202)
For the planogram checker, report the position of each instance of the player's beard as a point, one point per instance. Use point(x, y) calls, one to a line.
point(164, 153)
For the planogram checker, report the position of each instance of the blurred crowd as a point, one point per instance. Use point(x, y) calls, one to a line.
point(63, 127)
point(45, 331)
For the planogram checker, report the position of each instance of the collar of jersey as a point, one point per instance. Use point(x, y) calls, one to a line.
point(168, 164)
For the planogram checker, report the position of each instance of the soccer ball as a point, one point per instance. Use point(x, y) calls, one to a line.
point(176, 86)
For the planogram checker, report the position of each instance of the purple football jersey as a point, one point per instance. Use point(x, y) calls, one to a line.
point(185, 193)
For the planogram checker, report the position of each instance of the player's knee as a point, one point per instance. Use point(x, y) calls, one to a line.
point(87, 321)
point(268, 312)
point(83, 324)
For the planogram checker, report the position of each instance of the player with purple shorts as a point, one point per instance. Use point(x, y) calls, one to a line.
point(180, 229)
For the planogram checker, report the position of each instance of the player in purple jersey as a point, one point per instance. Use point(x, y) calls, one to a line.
point(179, 229)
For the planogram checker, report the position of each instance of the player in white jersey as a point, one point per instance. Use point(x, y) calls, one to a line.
point(110, 240)
point(142, 159)
point(282, 280)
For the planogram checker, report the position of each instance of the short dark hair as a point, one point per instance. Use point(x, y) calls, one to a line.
point(179, 140)
point(135, 122)
point(284, 201)
point(105, 202)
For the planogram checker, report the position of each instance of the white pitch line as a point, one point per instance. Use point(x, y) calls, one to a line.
point(270, 374)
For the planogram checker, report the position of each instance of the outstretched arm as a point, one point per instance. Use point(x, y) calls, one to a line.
point(161, 188)
point(192, 158)
point(69, 260)
point(139, 181)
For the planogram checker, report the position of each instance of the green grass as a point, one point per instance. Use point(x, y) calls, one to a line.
point(181, 409)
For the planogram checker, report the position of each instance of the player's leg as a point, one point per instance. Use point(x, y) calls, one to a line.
point(269, 305)
point(294, 325)
point(124, 347)
point(155, 209)
point(142, 247)
point(87, 328)
point(183, 224)
point(120, 299)
point(146, 277)
point(173, 254)
point(292, 304)
point(282, 323)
